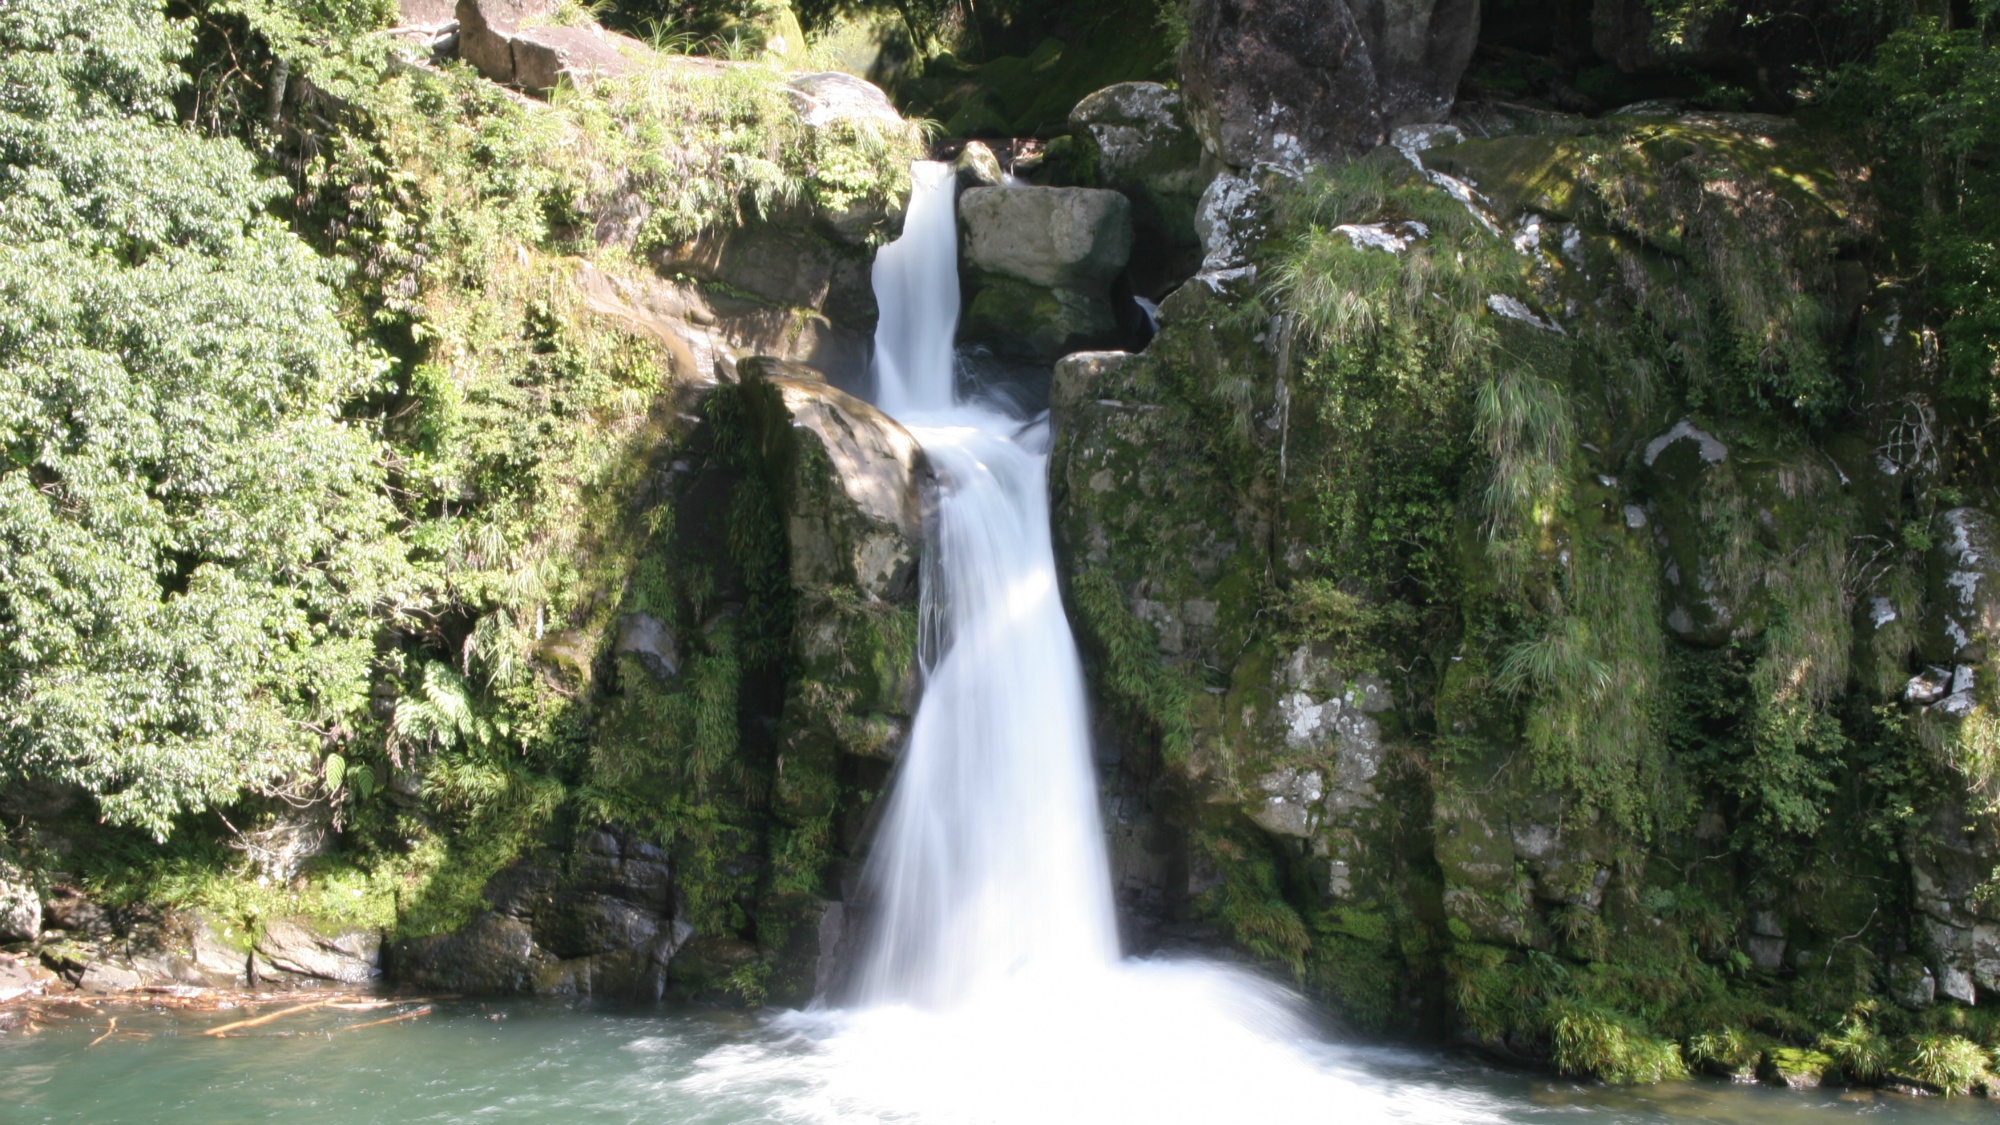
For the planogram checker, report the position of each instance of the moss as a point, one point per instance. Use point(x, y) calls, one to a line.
point(1149, 691)
point(1799, 1067)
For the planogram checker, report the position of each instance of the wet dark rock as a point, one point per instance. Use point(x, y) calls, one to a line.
point(66, 908)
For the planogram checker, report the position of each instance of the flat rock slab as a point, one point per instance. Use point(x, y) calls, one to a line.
point(1059, 238)
point(519, 43)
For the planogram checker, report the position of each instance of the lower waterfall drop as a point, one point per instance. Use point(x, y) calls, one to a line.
point(991, 987)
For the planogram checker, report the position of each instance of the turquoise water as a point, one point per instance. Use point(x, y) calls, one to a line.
point(584, 1064)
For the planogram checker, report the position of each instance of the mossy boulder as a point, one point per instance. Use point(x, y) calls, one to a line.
point(1799, 1068)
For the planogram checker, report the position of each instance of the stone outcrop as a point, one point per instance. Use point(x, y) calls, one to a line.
point(835, 489)
point(1293, 82)
point(521, 43)
point(1419, 49)
point(849, 479)
point(1043, 262)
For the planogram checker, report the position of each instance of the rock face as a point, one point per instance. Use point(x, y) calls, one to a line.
point(851, 479)
point(1431, 823)
point(828, 492)
point(1042, 261)
point(1282, 82)
point(1964, 588)
point(520, 43)
point(1296, 744)
point(1291, 82)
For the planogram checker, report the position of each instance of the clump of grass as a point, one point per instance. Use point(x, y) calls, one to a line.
point(1952, 1064)
point(1861, 1052)
point(1731, 1051)
point(1592, 1040)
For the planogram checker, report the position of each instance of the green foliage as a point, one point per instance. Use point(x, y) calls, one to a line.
point(1597, 1041)
point(442, 712)
point(1388, 347)
point(1929, 101)
point(1950, 1063)
point(198, 545)
point(698, 144)
point(1249, 899)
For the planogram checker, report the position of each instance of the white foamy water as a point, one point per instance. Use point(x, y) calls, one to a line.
point(991, 987)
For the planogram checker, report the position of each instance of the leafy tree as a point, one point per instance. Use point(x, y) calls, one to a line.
point(1929, 102)
point(195, 545)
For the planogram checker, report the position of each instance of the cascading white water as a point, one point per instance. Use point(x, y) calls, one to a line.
point(991, 988)
point(990, 863)
point(916, 291)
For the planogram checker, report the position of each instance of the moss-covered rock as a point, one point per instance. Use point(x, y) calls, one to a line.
point(1600, 445)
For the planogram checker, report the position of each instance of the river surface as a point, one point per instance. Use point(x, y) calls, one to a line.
point(527, 1061)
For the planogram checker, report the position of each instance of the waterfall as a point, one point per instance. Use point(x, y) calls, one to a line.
point(916, 289)
point(990, 863)
point(990, 988)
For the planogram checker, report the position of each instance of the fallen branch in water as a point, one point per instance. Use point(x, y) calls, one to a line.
point(260, 1020)
point(108, 1032)
point(372, 1005)
point(423, 1011)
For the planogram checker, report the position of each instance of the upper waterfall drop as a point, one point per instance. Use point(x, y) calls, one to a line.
point(916, 289)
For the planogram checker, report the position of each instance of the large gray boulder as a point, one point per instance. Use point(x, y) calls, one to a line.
point(1294, 82)
point(1060, 238)
point(1419, 49)
point(20, 906)
point(1284, 82)
point(522, 43)
point(1139, 139)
